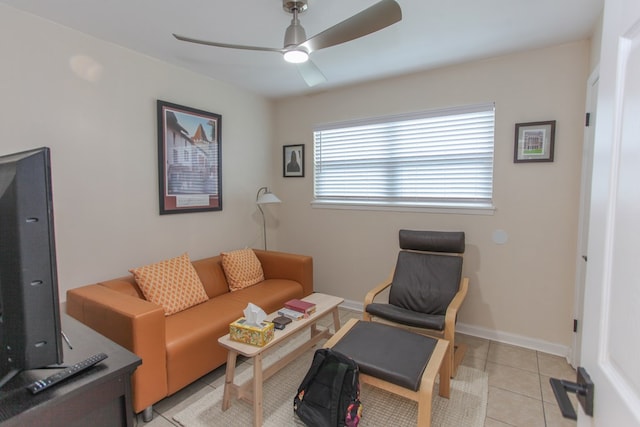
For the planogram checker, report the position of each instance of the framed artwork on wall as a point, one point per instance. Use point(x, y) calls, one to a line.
point(534, 142)
point(189, 159)
point(293, 160)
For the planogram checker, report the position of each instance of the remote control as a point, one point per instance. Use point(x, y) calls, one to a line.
point(43, 384)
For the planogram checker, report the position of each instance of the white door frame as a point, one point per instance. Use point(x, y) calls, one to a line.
point(583, 221)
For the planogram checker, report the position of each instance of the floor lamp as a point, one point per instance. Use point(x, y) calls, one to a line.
point(265, 197)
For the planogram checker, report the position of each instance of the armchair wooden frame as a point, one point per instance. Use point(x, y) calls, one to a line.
point(456, 351)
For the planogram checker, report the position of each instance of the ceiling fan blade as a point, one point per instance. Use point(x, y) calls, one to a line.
point(311, 73)
point(370, 20)
point(227, 45)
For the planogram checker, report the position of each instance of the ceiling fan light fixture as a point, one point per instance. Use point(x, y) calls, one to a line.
point(296, 56)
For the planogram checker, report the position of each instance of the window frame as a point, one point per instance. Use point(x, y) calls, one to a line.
point(484, 206)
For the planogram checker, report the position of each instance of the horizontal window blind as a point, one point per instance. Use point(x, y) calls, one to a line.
point(438, 158)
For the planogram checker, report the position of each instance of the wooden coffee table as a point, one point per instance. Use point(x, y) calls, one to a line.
point(251, 390)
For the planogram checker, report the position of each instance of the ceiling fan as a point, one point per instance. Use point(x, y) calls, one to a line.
point(297, 46)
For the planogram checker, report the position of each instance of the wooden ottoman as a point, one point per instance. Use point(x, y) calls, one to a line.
point(393, 359)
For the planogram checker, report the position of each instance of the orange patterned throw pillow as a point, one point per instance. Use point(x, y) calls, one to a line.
point(242, 268)
point(172, 284)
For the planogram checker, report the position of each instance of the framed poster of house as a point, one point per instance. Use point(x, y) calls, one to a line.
point(189, 159)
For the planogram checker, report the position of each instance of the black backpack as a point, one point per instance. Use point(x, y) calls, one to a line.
point(329, 395)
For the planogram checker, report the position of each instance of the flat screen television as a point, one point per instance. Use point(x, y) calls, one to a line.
point(30, 331)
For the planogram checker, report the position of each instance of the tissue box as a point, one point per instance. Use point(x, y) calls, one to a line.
point(249, 334)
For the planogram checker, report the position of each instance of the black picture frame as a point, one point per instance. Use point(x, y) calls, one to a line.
point(189, 159)
point(293, 161)
point(534, 142)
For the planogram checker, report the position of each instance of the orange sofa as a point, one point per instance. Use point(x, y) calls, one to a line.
point(178, 349)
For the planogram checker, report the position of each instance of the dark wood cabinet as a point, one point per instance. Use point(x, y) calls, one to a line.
point(97, 397)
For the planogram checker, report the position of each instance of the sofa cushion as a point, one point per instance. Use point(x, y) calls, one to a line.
point(212, 275)
point(172, 284)
point(242, 268)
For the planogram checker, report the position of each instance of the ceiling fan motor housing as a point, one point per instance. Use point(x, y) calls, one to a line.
point(295, 34)
point(299, 5)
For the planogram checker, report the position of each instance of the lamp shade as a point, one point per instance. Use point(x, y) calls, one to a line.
point(267, 197)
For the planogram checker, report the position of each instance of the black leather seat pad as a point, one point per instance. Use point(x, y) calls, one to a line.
point(407, 317)
point(392, 354)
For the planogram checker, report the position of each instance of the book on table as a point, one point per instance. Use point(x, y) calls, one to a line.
point(291, 314)
point(301, 306)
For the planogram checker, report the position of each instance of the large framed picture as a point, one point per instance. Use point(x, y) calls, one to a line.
point(293, 160)
point(189, 159)
point(534, 142)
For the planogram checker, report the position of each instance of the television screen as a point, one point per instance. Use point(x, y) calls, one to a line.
point(30, 333)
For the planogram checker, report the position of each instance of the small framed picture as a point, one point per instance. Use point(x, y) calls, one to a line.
point(293, 161)
point(534, 142)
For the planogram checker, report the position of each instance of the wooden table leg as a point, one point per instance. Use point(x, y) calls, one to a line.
point(257, 390)
point(336, 319)
point(228, 379)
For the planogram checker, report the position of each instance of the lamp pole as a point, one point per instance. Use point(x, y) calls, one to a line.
point(263, 197)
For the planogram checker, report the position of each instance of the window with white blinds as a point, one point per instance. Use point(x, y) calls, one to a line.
point(441, 158)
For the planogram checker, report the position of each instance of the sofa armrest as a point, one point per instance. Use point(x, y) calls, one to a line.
point(134, 323)
point(281, 265)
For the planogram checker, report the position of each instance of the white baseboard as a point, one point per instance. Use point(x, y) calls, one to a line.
point(493, 335)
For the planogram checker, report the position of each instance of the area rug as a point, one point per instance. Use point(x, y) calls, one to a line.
point(466, 406)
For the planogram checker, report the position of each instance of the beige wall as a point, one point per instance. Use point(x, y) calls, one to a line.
point(103, 140)
point(521, 291)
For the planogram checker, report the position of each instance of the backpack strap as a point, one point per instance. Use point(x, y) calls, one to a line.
point(336, 390)
point(318, 359)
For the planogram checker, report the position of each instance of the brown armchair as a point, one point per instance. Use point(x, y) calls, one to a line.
point(426, 287)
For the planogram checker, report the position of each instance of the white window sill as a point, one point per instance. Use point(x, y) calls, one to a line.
point(465, 209)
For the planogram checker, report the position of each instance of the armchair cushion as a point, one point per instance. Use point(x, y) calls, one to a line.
point(432, 241)
point(406, 317)
point(424, 282)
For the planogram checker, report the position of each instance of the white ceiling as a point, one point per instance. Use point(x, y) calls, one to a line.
point(431, 34)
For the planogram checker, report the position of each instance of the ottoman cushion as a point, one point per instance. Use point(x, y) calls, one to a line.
point(392, 354)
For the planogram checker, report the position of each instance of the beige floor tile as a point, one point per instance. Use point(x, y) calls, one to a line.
point(477, 348)
point(510, 355)
point(175, 403)
point(547, 391)
point(554, 417)
point(157, 421)
point(184, 397)
point(215, 375)
point(490, 422)
point(514, 409)
point(555, 366)
point(472, 362)
point(514, 379)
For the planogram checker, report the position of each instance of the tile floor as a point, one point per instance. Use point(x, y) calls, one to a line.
point(519, 390)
